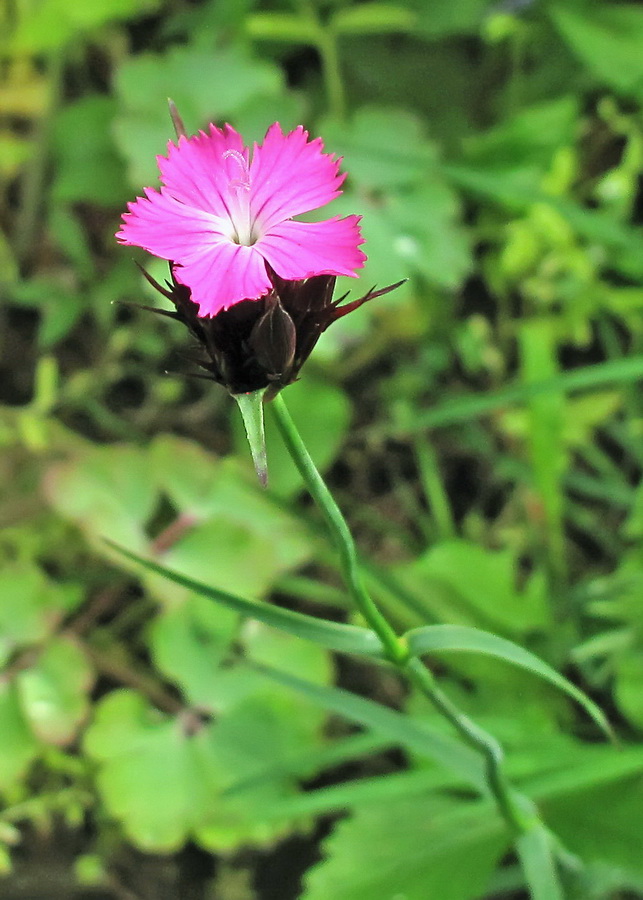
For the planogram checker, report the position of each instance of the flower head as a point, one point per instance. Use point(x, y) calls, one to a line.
point(223, 216)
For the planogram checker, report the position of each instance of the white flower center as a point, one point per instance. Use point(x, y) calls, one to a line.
point(239, 200)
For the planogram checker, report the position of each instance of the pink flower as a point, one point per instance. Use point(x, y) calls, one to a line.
point(224, 215)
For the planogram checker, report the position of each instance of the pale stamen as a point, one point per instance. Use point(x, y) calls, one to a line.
point(240, 210)
point(240, 159)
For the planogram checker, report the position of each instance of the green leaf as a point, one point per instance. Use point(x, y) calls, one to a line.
point(547, 413)
point(188, 642)
point(607, 38)
point(413, 848)
point(228, 540)
point(51, 23)
point(410, 212)
point(338, 798)
point(442, 18)
point(224, 526)
point(145, 81)
point(628, 686)
point(416, 736)
point(463, 582)
point(31, 606)
point(332, 635)
point(539, 865)
point(470, 406)
point(106, 490)
point(383, 148)
point(529, 137)
point(18, 746)
point(53, 692)
point(459, 638)
point(153, 778)
point(602, 823)
point(276, 26)
point(82, 133)
point(165, 779)
point(373, 18)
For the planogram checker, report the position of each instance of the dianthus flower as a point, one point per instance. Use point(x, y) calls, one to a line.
point(254, 287)
point(224, 215)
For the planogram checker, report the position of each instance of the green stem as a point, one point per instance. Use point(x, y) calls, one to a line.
point(29, 217)
point(516, 810)
point(327, 47)
point(433, 486)
point(395, 647)
point(326, 44)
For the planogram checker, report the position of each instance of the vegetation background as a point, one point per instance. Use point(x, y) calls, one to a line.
point(482, 429)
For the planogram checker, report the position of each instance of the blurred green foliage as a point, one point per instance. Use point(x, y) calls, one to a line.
point(482, 428)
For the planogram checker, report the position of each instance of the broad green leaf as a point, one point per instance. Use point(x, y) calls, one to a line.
point(231, 524)
point(458, 638)
point(332, 635)
point(18, 746)
point(413, 848)
point(462, 581)
point(528, 137)
point(164, 778)
point(31, 606)
point(145, 81)
point(106, 491)
point(607, 38)
point(54, 692)
point(50, 24)
point(153, 776)
point(224, 528)
point(188, 642)
point(442, 18)
point(229, 554)
point(382, 148)
point(410, 212)
point(82, 133)
point(602, 823)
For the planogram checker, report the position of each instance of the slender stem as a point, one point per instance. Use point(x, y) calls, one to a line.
point(327, 47)
point(434, 488)
point(29, 218)
point(395, 647)
point(326, 44)
point(516, 810)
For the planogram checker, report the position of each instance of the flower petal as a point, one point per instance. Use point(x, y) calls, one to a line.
point(168, 228)
point(224, 275)
point(290, 175)
point(302, 249)
point(199, 170)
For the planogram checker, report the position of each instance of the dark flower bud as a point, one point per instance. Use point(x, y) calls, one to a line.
point(273, 340)
point(262, 344)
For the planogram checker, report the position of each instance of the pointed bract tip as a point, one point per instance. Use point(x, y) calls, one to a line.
point(251, 408)
point(177, 121)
